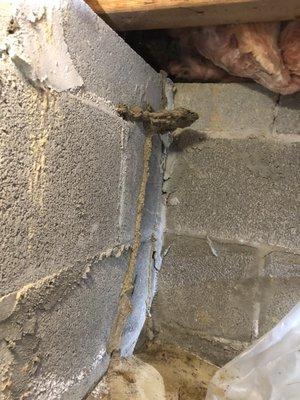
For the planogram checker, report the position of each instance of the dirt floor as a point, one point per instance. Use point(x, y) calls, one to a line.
point(185, 375)
point(155, 373)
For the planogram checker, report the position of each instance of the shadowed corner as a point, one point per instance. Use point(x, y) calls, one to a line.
point(185, 138)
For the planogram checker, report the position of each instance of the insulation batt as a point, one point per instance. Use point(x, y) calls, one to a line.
point(267, 52)
point(196, 67)
point(290, 47)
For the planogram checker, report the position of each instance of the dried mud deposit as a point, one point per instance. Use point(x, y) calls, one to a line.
point(157, 373)
point(185, 375)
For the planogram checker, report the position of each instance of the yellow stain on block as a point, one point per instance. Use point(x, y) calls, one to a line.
point(38, 142)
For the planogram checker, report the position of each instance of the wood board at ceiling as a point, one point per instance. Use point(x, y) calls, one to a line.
point(125, 15)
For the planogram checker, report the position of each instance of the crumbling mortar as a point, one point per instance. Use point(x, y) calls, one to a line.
point(266, 136)
point(278, 138)
point(285, 139)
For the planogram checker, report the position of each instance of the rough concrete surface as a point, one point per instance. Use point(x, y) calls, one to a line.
point(288, 115)
point(71, 172)
point(237, 190)
point(61, 191)
point(48, 331)
point(280, 288)
point(193, 273)
point(231, 189)
point(232, 110)
point(109, 68)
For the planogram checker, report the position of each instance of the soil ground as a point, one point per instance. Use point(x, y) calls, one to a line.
point(185, 375)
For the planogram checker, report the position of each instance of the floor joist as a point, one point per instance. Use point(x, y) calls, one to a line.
point(160, 14)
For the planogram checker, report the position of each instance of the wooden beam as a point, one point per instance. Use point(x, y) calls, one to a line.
point(159, 14)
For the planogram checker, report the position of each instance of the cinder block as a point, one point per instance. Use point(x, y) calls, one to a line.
point(71, 169)
point(85, 170)
point(288, 117)
point(218, 352)
point(60, 330)
point(280, 288)
point(235, 109)
point(71, 177)
point(206, 288)
point(241, 190)
point(113, 71)
point(61, 177)
point(108, 66)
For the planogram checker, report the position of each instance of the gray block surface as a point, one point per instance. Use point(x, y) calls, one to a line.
point(206, 289)
point(280, 288)
point(240, 190)
point(108, 66)
point(288, 118)
point(71, 185)
point(234, 110)
point(61, 180)
point(60, 333)
point(215, 350)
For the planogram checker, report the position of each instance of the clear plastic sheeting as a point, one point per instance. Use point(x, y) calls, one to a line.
point(268, 370)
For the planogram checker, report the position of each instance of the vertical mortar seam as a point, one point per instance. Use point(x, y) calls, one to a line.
point(124, 306)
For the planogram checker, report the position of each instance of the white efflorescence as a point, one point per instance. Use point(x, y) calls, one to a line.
point(37, 45)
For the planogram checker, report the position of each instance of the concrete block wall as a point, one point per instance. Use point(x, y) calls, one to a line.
point(231, 265)
point(79, 216)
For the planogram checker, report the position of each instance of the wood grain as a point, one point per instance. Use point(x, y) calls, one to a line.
point(161, 14)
